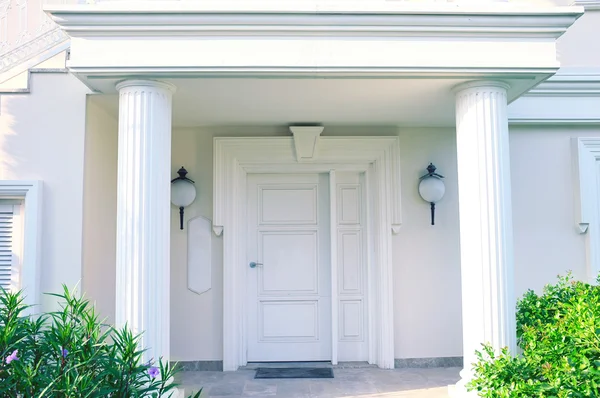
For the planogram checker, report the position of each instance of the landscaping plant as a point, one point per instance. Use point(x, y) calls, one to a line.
point(69, 353)
point(559, 334)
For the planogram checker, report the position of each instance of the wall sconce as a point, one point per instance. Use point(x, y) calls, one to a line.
point(432, 189)
point(183, 193)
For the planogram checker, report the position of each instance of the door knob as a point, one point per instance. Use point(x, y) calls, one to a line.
point(254, 265)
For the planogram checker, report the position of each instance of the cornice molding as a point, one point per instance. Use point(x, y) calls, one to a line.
point(333, 71)
point(553, 121)
point(588, 4)
point(568, 85)
point(267, 18)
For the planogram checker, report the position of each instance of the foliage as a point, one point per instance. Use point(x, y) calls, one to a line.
point(559, 333)
point(70, 353)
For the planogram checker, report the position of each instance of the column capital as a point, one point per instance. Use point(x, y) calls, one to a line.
point(145, 83)
point(480, 84)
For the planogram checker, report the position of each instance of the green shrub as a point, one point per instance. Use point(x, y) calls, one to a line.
point(70, 353)
point(559, 333)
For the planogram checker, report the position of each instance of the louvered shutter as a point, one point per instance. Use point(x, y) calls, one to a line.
point(6, 245)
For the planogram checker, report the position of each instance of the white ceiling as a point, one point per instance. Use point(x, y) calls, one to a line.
point(242, 101)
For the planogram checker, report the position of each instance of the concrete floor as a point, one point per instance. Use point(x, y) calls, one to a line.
point(347, 382)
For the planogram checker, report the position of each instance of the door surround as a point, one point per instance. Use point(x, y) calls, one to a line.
point(378, 157)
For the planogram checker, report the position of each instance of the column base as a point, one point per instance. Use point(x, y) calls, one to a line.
point(459, 390)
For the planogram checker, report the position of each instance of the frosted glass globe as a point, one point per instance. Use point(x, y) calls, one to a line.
point(183, 193)
point(432, 189)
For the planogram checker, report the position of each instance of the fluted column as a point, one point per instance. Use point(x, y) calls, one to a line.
point(143, 212)
point(486, 242)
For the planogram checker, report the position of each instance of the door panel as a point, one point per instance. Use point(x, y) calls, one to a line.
point(289, 291)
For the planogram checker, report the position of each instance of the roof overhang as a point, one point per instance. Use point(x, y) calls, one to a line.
point(313, 39)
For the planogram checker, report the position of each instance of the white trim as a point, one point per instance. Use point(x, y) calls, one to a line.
point(199, 254)
point(378, 157)
point(553, 121)
point(18, 63)
point(588, 4)
point(333, 233)
point(307, 18)
point(587, 175)
point(306, 142)
point(568, 85)
point(31, 192)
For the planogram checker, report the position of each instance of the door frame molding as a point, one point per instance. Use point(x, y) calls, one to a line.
point(377, 157)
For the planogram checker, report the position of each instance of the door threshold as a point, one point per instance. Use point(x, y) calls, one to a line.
point(315, 364)
point(256, 365)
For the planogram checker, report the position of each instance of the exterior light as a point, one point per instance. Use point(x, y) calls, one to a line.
point(432, 189)
point(183, 193)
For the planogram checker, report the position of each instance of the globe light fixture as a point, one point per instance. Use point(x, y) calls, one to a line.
point(432, 188)
point(183, 193)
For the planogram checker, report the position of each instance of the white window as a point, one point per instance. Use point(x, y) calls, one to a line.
point(11, 243)
point(20, 236)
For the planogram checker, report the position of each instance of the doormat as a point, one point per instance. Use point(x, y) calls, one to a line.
point(294, 373)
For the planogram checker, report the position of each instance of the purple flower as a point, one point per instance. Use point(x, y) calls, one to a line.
point(65, 352)
point(12, 357)
point(153, 372)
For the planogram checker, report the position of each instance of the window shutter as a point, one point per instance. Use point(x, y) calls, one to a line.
point(6, 245)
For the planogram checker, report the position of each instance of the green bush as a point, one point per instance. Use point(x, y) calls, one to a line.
point(559, 334)
point(70, 353)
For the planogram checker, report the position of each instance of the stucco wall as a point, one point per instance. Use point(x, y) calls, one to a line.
point(427, 305)
point(42, 138)
point(426, 263)
point(544, 219)
point(426, 258)
point(100, 209)
point(579, 46)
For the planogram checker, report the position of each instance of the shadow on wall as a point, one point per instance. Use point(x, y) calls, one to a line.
point(8, 159)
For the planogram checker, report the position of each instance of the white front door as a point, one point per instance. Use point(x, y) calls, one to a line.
point(289, 288)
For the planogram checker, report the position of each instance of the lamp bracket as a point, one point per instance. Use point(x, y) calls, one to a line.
point(431, 173)
point(182, 176)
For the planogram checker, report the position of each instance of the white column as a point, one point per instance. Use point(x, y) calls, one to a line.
point(486, 243)
point(143, 213)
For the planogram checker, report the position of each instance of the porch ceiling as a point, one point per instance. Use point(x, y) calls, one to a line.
point(244, 101)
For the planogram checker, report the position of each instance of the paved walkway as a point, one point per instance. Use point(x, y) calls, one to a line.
point(352, 382)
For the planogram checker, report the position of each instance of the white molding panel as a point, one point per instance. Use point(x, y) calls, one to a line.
point(586, 151)
point(377, 157)
point(352, 264)
point(199, 261)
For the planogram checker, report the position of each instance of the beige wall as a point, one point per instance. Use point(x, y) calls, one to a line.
point(42, 138)
point(427, 305)
point(100, 209)
point(579, 46)
point(544, 219)
point(426, 258)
